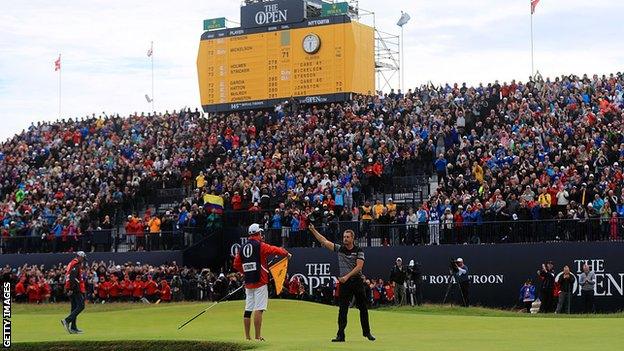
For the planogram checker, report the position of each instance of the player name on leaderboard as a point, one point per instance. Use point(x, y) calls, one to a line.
point(260, 66)
point(313, 61)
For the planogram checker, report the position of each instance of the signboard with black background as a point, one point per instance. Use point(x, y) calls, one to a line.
point(272, 13)
point(496, 272)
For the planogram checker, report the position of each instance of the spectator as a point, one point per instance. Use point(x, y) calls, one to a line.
point(153, 239)
point(566, 284)
point(530, 139)
point(138, 289)
point(547, 276)
point(165, 291)
point(527, 295)
point(398, 277)
point(412, 221)
point(587, 283)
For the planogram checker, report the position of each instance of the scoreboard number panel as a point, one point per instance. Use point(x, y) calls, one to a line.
point(241, 69)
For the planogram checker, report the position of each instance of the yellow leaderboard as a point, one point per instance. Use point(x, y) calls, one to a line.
point(315, 61)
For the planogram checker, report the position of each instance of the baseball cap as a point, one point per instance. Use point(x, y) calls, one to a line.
point(254, 229)
point(411, 262)
point(81, 254)
point(399, 259)
point(459, 259)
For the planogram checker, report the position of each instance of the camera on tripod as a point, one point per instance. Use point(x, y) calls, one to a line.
point(454, 281)
point(453, 266)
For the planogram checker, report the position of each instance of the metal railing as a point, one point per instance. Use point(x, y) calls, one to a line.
point(110, 240)
point(370, 233)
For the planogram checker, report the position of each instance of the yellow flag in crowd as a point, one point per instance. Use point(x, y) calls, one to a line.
point(278, 271)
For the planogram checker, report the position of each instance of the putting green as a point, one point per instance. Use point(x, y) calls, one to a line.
point(295, 325)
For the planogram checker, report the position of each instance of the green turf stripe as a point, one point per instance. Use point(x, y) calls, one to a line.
point(132, 345)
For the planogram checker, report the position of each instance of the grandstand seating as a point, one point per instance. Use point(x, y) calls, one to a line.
point(543, 150)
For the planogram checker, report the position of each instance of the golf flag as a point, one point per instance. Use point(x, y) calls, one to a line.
point(151, 50)
point(404, 19)
point(57, 64)
point(278, 271)
point(534, 5)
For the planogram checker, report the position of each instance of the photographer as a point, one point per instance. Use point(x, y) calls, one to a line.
point(398, 275)
point(414, 274)
point(547, 275)
point(461, 276)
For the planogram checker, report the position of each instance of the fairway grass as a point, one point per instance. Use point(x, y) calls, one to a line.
point(296, 325)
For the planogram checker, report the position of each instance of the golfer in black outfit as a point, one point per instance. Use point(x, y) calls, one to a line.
point(351, 263)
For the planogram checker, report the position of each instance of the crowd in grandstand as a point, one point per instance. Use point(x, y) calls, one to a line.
point(539, 150)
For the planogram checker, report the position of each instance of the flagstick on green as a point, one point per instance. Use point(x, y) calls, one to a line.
point(211, 306)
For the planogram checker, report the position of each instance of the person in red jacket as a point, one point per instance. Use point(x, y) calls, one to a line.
point(151, 289)
point(114, 291)
point(127, 287)
point(103, 289)
point(33, 291)
point(237, 202)
point(75, 288)
point(137, 292)
point(165, 291)
point(293, 287)
point(44, 290)
point(251, 261)
point(20, 290)
point(389, 292)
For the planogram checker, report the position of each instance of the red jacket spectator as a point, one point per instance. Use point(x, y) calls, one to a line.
point(103, 289)
point(44, 290)
point(389, 292)
point(138, 288)
point(76, 137)
point(293, 287)
point(134, 226)
point(115, 289)
point(237, 202)
point(151, 287)
point(377, 169)
point(33, 292)
point(127, 287)
point(20, 289)
point(165, 291)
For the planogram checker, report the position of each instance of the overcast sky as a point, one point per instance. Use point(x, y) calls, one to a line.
point(105, 66)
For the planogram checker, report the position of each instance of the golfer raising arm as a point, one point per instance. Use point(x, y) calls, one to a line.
point(350, 263)
point(251, 261)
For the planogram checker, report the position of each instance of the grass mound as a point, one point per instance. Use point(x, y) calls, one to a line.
point(132, 345)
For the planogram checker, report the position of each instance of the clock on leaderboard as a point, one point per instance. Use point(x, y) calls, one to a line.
point(311, 43)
